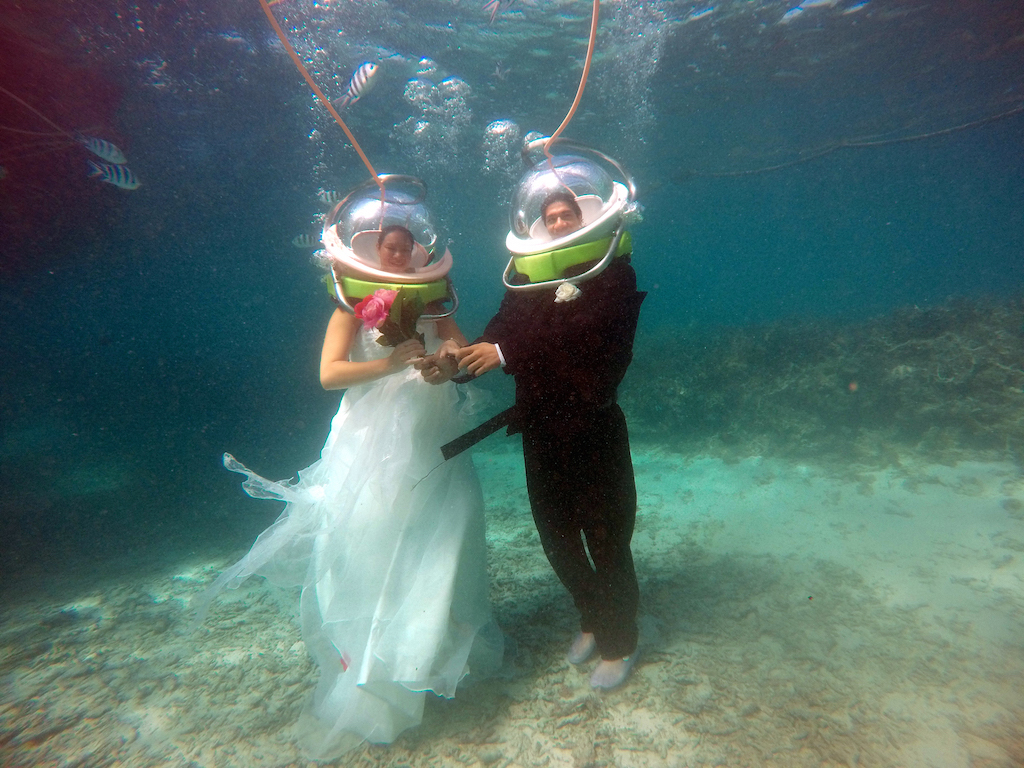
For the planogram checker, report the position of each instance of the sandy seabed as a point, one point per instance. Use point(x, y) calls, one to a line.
point(790, 617)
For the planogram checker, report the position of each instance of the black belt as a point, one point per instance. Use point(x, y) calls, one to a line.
point(492, 425)
point(475, 435)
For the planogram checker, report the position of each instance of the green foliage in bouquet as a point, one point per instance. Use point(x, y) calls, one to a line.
point(402, 317)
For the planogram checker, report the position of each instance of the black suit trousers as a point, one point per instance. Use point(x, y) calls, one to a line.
point(583, 495)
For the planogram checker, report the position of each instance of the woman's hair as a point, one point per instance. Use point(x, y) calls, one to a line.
point(395, 228)
point(561, 196)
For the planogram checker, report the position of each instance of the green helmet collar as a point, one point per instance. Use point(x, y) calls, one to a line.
point(551, 265)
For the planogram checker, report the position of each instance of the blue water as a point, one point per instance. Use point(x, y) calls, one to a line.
point(146, 332)
point(151, 330)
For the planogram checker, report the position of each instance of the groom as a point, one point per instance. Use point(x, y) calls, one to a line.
point(567, 359)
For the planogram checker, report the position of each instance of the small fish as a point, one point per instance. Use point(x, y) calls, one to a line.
point(699, 14)
point(102, 148)
point(360, 84)
point(328, 196)
point(791, 14)
point(118, 175)
point(496, 7)
point(306, 241)
point(231, 36)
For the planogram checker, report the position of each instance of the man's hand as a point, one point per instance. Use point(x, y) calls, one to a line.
point(479, 358)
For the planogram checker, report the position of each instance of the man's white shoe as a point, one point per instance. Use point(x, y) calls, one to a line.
point(582, 648)
point(612, 674)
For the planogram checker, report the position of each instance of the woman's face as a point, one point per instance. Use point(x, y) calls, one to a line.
point(561, 219)
point(395, 252)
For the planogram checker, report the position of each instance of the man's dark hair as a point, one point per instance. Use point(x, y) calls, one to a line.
point(561, 196)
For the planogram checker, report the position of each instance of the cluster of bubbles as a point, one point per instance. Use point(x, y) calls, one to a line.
point(501, 147)
point(638, 43)
point(436, 131)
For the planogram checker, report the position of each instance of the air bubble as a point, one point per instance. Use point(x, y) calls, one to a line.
point(502, 142)
point(426, 67)
point(421, 92)
point(454, 87)
point(437, 130)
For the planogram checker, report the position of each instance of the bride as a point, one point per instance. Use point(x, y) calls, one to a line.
point(389, 555)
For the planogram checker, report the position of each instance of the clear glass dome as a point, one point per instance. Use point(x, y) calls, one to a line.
point(362, 212)
point(584, 177)
point(352, 228)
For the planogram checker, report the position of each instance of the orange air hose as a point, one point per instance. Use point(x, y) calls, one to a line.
point(320, 94)
point(579, 91)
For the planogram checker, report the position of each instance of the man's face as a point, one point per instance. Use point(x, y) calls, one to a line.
point(560, 219)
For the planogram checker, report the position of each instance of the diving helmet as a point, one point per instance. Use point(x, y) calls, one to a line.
point(606, 195)
point(350, 235)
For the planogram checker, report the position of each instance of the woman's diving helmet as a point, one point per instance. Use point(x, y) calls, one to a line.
point(606, 196)
point(350, 236)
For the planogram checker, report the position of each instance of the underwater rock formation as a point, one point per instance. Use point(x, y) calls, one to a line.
point(940, 381)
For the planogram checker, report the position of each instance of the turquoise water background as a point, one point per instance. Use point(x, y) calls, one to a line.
point(146, 332)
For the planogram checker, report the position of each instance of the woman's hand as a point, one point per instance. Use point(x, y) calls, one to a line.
point(448, 348)
point(479, 358)
point(440, 366)
point(438, 370)
point(405, 354)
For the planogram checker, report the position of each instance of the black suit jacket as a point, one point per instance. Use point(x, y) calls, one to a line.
point(568, 358)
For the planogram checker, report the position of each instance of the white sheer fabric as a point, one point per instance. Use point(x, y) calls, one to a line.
point(388, 548)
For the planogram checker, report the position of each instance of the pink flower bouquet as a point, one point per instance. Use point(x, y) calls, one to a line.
point(393, 313)
point(373, 310)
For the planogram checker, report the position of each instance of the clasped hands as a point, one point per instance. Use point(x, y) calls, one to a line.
point(441, 366)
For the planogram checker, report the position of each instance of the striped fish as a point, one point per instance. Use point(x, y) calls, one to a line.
point(329, 196)
point(306, 241)
point(360, 84)
point(118, 175)
point(102, 148)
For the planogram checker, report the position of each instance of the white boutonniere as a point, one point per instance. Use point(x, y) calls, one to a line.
point(566, 292)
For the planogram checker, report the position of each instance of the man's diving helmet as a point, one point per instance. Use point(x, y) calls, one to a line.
point(350, 236)
point(606, 196)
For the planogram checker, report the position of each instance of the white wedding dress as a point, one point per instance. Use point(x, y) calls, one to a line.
point(387, 544)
